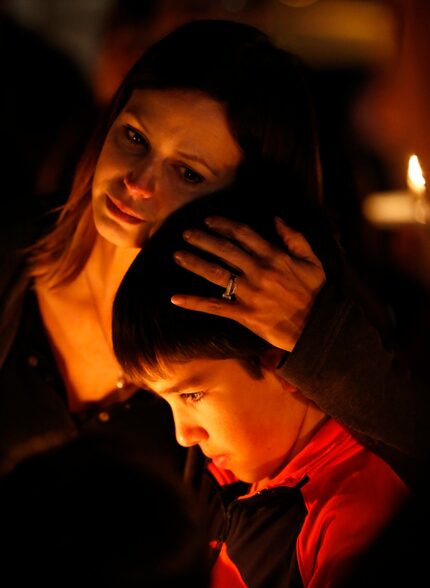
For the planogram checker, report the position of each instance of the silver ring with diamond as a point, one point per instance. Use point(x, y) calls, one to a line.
point(228, 294)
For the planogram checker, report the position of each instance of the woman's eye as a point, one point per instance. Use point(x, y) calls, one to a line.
point(191, 176)
point(192, 396)
point(134, 137)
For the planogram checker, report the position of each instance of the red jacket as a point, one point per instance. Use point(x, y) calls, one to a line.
point(310, 524)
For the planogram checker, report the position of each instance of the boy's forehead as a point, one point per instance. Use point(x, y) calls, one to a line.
point(180, 376)
point(192, 375)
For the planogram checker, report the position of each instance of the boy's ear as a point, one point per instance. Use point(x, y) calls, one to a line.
point(271, 358)
point(270, 362)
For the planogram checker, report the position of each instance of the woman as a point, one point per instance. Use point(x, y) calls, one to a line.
point(187, 120)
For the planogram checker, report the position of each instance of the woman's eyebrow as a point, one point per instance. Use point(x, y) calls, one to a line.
point(131, 112)
point(200, 160)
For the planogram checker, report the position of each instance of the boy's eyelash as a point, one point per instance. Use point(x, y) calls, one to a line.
point(192, 396)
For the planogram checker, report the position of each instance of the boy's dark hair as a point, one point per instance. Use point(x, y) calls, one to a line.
point(148, 328)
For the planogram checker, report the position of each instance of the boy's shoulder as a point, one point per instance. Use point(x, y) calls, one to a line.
point(351, 495)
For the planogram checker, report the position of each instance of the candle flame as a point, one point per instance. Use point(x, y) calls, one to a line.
point(416, 181)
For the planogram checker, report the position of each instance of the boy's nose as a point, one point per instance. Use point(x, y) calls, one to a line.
point(187, 436)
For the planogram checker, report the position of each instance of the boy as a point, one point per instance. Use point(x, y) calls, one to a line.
point(292, 498)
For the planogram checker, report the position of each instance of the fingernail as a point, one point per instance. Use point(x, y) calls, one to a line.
point(178, 257)
point(186, 235)
point(175, 299)
point(209, 221)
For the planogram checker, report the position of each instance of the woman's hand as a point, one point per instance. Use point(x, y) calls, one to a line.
point(275, 289)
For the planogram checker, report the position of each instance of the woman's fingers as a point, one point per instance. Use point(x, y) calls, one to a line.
point(210, 271)
point(222, 248)
point(251, 244)
point(242, 234)
point(215, 306)
point(275, 289)
point(295, 242)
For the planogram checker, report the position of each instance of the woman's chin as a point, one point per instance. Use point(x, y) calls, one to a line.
point(120, 236)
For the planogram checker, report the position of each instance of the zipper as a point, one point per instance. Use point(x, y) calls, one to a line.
point(262, 495)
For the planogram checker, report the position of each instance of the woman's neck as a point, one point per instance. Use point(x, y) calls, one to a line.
point(106, 267)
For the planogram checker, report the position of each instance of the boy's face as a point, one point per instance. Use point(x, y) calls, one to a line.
point(250, 427)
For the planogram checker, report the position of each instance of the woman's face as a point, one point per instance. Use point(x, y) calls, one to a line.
point(166, 147)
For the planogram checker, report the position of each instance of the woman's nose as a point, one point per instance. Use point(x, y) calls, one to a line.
point(141, 181)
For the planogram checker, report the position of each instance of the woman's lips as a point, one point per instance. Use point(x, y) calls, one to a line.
point(121, 214)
